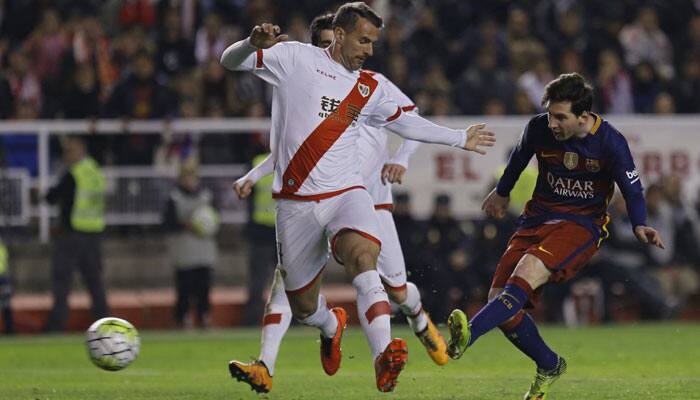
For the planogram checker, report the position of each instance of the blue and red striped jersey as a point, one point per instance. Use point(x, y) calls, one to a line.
point(576, 177)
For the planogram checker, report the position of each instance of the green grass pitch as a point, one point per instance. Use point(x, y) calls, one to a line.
point(610, 362)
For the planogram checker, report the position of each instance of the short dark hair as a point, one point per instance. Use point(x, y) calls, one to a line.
point(572, 88)
point(347, 15)
point(318, 24)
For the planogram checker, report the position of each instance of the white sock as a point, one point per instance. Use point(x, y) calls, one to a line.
point(412, 308)
point(373, 303)
point(278, 316)
point(322, 318)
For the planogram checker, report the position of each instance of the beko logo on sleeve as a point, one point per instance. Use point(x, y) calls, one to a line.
point(633, 176)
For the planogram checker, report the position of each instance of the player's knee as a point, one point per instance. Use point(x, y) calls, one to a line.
point(532, 270)
point(494, 292)
point(363, 258)
point(396, 295)
point(302, 307)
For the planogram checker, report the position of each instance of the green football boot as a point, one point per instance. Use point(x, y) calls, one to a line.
point(544, 380)
point(460, 333)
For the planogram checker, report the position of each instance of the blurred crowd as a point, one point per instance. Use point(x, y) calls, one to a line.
point(453, 261)
point(144, 59)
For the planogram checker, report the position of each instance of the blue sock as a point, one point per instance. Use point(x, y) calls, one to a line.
point(526, 337)
point(498, 310)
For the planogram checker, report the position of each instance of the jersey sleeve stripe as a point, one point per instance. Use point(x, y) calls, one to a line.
point(259, 59)
point(408, 108)
point(396, 115)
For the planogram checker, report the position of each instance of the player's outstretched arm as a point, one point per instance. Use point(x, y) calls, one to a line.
point(415, 127)
point(649, 235)
point(495, 205)
point(478, 137)
point(244, 185)
point(262, 36)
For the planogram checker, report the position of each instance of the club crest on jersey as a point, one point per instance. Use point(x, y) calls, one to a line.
point(363, 89)
point(592, 165)
point(570, 160)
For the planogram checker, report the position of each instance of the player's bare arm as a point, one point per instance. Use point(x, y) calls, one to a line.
point(478, 137)
point(649, 235)
point(266, 35)
point(393, 173)
point(495, 205)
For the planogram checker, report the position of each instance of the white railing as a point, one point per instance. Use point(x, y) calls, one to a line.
point(661, 145)
point(14, 197)
point(45, 128)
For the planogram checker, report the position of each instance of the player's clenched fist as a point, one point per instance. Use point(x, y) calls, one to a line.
point(266, 35)
point(477, 137)
point(243, 189)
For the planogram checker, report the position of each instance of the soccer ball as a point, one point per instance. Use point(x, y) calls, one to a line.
point(205, 221)
point(112, 343)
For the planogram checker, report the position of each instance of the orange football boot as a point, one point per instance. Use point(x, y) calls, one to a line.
point(330, 347)
point(389, 364)
point(434, 343)
point(253, 373)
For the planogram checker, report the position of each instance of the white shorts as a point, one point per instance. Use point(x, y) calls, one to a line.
point(390, 265)
point(381, 193)
point(304, 229)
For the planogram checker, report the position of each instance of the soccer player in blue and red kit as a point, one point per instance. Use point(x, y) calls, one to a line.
point(581, 157)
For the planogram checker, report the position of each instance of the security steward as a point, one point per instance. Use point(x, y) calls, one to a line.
point(262, 254)
point(80, 194)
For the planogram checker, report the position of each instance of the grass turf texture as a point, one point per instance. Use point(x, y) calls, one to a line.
point(611, 362)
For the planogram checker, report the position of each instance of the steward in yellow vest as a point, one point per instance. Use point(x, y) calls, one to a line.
point(80, 194)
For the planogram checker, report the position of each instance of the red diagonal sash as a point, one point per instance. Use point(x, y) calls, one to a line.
point(326, 133)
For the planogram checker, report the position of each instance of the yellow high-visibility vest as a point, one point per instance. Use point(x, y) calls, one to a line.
point(263, 203)
point(89, 203)
point(3, 258)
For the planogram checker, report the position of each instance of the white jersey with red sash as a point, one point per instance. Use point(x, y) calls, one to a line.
point(318, 108)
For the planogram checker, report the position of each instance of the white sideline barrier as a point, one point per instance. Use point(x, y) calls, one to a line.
point(661, 145)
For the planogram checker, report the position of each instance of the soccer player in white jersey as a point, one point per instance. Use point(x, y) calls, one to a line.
point(377, 169)
point(321, 100)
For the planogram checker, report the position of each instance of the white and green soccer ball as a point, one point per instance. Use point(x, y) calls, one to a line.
point(112, 343)
point(205, 221)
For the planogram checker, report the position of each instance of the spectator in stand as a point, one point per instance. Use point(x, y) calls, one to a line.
point(625, 266)
point(175, 52)
point(687, 88)
point(675, 274)
point(137, 12)
point(412, 240)
point(571, 61)
point(534, 80)
point(643, 40)
point(481, 80)
point(140, 95)
point(445, 245)
point(92, 47)
point(646, 87)
point(664, 103)
point(614, 85)
point(524, 49)
point(45, 48)
point(211, 39)
point(25, 86)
